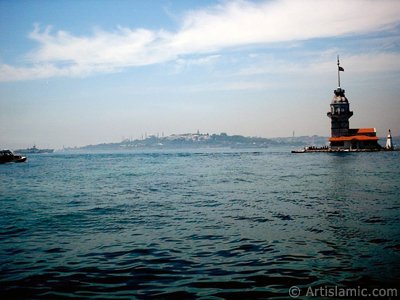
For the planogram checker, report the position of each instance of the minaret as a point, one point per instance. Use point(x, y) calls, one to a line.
point(340, 110)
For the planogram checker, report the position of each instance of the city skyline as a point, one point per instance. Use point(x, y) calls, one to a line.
point(75, 73)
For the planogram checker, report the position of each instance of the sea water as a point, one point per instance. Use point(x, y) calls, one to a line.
point(190, 224)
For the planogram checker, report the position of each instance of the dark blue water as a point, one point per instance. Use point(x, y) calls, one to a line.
point(198, 224)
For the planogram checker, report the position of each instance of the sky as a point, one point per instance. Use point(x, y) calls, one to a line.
point(74, 73)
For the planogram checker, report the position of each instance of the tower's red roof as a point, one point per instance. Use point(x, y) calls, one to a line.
point(357, 134)
point(353, 138)
point(366, 130)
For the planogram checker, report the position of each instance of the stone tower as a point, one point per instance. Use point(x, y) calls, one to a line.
point(340, 110)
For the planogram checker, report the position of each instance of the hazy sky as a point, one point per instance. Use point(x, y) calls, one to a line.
point(83, 72)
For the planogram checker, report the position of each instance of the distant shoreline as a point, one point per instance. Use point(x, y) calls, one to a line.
point(200, 140)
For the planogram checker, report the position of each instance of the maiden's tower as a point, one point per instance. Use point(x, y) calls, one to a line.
point(343, 137)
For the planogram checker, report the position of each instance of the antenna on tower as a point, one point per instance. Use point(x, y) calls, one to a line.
point(338, 71)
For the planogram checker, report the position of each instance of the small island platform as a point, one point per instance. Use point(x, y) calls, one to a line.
point(333, 150)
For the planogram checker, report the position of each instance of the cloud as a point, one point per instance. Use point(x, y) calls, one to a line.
point(123, 47)
point(10, 73)
point(202, 32)
point(243, 23)
point(183, 63)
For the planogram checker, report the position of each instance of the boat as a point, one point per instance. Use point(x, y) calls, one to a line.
point(299, 151)
point(7, 156)
point(34, 150)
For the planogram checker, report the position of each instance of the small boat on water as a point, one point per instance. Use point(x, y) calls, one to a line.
point(7, 156)
point(34, 150)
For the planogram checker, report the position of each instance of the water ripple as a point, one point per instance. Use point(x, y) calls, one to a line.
point(197, 224)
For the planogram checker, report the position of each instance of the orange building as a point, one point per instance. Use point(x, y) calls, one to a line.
point(363, 138)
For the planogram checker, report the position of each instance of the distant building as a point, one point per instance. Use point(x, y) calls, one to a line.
point(343, 137)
